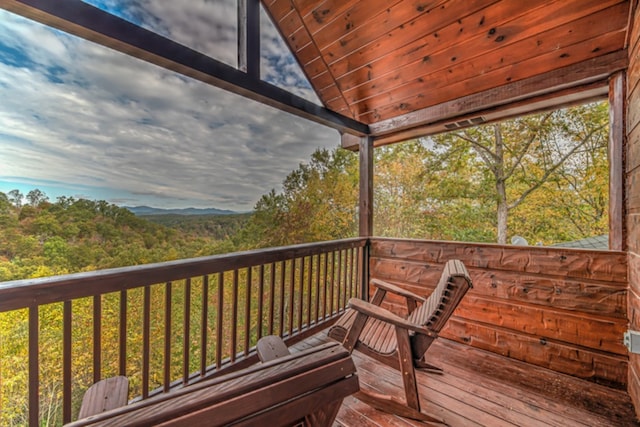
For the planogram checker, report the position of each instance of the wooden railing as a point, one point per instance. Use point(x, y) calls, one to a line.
point(165, 325)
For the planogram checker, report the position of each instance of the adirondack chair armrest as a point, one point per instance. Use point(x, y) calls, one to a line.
point(380, 313)
point(411, 298)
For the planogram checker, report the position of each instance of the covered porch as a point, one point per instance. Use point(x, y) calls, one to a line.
point(539, 338)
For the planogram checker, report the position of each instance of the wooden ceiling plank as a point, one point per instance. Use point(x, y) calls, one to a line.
point(317, 16)
point(434, 124)
point(88, 22)
point(559, 79)
point(323, 81)
point(607, 43)
point(360, 13)
point(400, 15)
point(478, 46)
point(278, 9)
point(294, 31)
point(292, 23)
point(301, 41)
point(442, 35)
point(559, 38)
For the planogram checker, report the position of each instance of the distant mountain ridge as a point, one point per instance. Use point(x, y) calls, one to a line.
point(147, 210)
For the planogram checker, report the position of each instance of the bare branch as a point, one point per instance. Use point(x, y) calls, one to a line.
point(551, 170)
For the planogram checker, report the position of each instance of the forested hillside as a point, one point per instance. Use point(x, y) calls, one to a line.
point(43, 238)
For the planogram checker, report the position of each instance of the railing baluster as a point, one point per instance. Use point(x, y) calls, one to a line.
point(260, 300)
point(219, 320)
point(146, 326)
point(247, 311)
point(339, 283)
point(292, 276)
point(332, 283)
point(186, 330)
point(34, 367)
point(300, 293)
point(353, 276)
point(66, 362)
point(345, 276)
point(308, 308)
point(324, 293)
point(97, 337)
point(283, 268)
point(234, 316)
point(317, 312)
point(167, 336)
point(122, 335)
point(272, 296)
point(204, 325)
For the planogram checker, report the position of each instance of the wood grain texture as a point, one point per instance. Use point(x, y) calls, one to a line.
point(633, 200)
point(576, 295)
point(376, 60)
point(582, 363)
point(557, 308)
point(480, 388)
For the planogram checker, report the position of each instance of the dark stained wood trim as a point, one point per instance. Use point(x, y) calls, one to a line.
point(350, 142)
point(565, 98)
point(242, 35)
point(617, 102)
point(249, 37)
point(366, 187)
point(567, 77)
point(83, 20)
point(24, 293)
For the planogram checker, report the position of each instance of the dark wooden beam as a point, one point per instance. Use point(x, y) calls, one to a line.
point(561, 99)
point(617, 97)
point(365, 209)
point(350, 142)
point(249, 37)
point(83, 20)
point(564, 78)
point(366, 187)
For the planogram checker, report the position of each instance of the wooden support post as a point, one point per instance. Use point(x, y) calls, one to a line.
point(616, 161)
point(249, 37)
point(365, 212)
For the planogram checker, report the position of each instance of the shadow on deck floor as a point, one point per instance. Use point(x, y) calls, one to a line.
point(479, 388)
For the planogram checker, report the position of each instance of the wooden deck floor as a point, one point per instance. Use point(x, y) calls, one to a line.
point(479, 388)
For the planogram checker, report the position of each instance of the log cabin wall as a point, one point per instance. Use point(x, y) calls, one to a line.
point(633, 200)
point(563, 309)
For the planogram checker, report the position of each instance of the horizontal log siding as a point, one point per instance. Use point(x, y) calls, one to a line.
point(632, 178)
point(558, 308)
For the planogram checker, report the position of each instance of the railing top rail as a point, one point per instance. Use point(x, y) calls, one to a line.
point(32, 292)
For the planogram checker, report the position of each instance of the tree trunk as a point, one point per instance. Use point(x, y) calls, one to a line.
point(501, 186)
point(502, 212)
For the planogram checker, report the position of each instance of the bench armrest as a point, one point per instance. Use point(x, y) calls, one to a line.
point(381, 284)
point(380, 313)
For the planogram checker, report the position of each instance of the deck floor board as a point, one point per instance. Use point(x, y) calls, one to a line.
point(479, 388)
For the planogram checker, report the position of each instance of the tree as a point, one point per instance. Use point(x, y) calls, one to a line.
point(35, 197)
point(318, 202)
point(521, 155)
point(15, 197)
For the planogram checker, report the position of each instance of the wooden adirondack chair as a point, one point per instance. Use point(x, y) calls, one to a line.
point(402, 342)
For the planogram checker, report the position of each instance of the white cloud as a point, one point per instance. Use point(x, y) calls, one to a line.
point(77, 113)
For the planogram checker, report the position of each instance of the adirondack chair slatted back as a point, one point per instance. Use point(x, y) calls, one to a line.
point(453, 285)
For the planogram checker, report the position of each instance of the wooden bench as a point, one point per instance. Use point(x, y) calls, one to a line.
point(279, 392)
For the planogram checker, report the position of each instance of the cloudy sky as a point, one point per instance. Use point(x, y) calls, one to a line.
point(78, 119)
